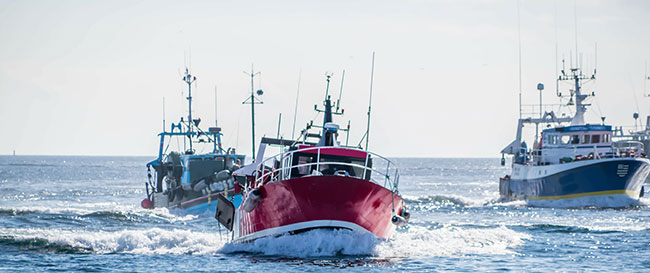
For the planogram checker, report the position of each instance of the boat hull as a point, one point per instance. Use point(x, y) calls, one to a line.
point(613, 182)
point(316, 202)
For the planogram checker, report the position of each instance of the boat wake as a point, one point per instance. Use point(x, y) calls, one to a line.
point(605, 201)
point(415, 202)
point(313, 243)
point(413, 241)
point(452, 241)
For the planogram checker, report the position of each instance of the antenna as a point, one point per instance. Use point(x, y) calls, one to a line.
point(279, 123)
point(372, 76)
point(327, 88)
point(575, 18)
point(595, 57)
point(295, 111)
point(519, 39)
point(252, 100)
point(557, 87)
point(645, 79)
point(215, 107)
point(338, 101)
point(163, 114)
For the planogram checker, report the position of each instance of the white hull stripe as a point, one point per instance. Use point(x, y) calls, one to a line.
point(536, 172)
point(301, 226)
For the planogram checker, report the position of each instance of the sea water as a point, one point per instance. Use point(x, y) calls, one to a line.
point(82, 214)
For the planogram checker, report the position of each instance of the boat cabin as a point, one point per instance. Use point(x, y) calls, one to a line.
point(311, 160)
point(577, 142)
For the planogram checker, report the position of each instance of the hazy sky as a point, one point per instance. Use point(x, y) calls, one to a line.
point(88, 77)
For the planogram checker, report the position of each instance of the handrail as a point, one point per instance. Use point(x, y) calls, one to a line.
point(270, 174)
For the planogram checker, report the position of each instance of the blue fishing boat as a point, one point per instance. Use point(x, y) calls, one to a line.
point(186, 180)
point(574, 165)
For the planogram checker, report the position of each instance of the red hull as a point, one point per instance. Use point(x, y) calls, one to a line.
point(319, 202)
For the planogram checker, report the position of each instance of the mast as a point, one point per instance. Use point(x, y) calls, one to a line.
point(252, 100)
point(330, 130)
point(578, 78)
point(189, 79)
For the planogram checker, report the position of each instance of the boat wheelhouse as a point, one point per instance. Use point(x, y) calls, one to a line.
point(578, 142)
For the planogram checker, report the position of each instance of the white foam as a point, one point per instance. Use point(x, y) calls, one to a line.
point(314, 243)
point(452, 241)
point(417, 241)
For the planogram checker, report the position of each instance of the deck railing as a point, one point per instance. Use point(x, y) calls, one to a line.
point(376, 168)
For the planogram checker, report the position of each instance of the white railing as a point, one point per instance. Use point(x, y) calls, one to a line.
point(376, 168)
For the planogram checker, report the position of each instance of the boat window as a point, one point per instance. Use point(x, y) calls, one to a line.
point(565, 139)
point(595, 139)
point(554, 140)
point(585, 139)
point(304, 160)
point(606, 138)
point(575, 139)
point(545, 139)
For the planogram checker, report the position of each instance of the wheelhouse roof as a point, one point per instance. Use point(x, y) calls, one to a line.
point(346, 152)
point(579, 128)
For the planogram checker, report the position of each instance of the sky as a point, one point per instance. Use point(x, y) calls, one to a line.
point(89, 77)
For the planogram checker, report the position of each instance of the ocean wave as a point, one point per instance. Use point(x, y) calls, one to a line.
point(41, 245)
point(551, 228)
point(120, 213)
point(149, 241)
point(446, 200)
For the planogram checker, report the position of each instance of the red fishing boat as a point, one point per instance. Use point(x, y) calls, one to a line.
point(316, 185)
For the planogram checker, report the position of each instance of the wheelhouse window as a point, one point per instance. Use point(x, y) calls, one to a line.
point(595, 139)
point(606, 138)
point(585, 139)
point(575, 139)
point(306, 163)
point(565, 139)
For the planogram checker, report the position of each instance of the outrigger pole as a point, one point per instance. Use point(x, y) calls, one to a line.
point(252, 101)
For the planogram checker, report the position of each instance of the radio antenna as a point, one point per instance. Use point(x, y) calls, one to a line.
point(252, 100)
point(163, 114)
point(372, 76)
point(295, 111)
point(338, 101)
point(519, 40)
